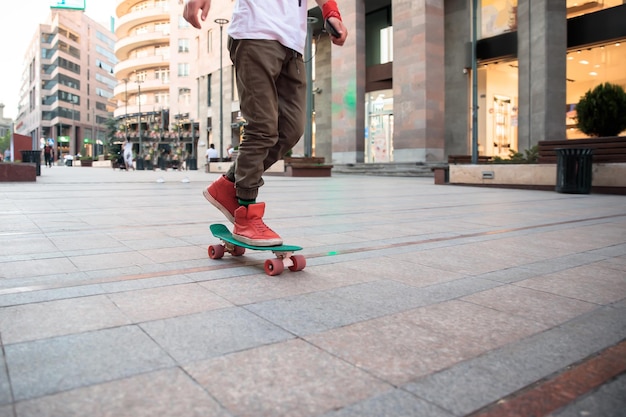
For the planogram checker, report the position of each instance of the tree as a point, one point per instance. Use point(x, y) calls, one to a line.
point(602, 111)
point(5, 142)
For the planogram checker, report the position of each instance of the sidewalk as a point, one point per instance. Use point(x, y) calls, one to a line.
point(417, 300)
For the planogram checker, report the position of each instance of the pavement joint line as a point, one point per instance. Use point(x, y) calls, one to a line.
point(559, 390)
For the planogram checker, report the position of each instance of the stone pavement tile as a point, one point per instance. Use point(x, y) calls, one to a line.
point(169, 392)
point(591, 283)
point(171, 254)
point(161, 242)
point(122, 285)
point(72, 242)
point(509, 275)
point(608, 401)
point(22, 295)
point(49, 366)
point(558, 390)
point(56, 318)
point(213, 333)
point(323, 310)
point(165, 302)
point(291, 379)
point(460, 259)
point(539, 306)
point(5, 385)
point(408, 345)
point(618, 263)
point(614, 251)
point(260, 287)
point(561, 263)
point(483, 380)
point(37, 267)
point(402, 270)
point(6, 411)
point(396, 403)
point(22, 246)
point(108, 260)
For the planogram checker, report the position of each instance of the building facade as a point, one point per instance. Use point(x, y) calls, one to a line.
point(401, 88)
point(156, 94)
point(67, 84)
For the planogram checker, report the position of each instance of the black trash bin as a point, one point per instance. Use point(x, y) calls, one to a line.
point(573, 170)
point(33, 156)
point(192, 164)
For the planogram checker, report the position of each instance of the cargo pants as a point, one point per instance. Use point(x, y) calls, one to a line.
point(271, 80)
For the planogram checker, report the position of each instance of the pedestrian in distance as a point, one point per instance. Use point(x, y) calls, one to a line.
point(266, 41)
point(128, 155)
point(211, 154)
point(47, 154)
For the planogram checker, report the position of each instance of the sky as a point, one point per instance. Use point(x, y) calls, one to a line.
point(18, 23)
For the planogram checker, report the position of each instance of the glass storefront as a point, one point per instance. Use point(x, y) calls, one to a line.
point(497, 108)
point(586, 68)
point(498, 97)
point(379, 126)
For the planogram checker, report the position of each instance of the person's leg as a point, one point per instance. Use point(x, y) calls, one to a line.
point(291, 89)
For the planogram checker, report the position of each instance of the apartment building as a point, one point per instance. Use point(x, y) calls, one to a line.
point(156, 94)
point(67, 84)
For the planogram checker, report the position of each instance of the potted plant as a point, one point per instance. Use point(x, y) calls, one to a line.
point(86, 161)
point(601, 112)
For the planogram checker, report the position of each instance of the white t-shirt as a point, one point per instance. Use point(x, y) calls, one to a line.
point(284, 21)
point(211, 153)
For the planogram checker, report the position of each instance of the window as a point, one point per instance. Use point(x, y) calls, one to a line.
point(162, 99)
point(182, 23)
point(162, 74)
point(183, 70)
point(184, 96)
point(208, 89)
point(141, 76)
point(183, 45)
point(209, 41)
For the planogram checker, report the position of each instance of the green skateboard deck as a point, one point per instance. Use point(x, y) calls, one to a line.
point(284, 253)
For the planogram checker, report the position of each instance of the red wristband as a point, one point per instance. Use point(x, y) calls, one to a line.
point(330, 9)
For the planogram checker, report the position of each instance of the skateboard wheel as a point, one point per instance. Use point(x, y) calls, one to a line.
point(274, 267)
point(216, 251)
point(238, 251)
point(299, 262)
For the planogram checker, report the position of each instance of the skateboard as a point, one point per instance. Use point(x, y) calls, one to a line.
point(284, 253)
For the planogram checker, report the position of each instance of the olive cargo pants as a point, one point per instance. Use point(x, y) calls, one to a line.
point(271, 80)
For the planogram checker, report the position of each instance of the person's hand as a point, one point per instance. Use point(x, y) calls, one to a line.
point(338, 24)
point(191, 10)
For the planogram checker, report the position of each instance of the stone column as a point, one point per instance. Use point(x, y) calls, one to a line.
point(458, 23)
point(541, 50)
point(418, 80)
point(347, 68)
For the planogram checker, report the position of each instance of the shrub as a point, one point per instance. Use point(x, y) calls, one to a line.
point(530, 156)
point(602, 111)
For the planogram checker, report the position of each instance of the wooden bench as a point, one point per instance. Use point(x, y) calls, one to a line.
point(467, 159)
point(605, 150)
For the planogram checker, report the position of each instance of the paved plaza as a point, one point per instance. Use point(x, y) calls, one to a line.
point(417, 300)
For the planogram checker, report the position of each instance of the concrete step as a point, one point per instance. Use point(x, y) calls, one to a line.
point(392, 169)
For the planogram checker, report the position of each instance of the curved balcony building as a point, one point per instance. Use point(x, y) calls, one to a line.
point(155, 87)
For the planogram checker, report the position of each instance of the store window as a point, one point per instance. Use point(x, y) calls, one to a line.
point(379, 126)
point(587, 68)
point(498, 109)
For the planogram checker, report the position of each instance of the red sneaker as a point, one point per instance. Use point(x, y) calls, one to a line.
point(250, 229)
point(223, 195)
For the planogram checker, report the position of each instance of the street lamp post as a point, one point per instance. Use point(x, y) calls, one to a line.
point(126, 106)
point(221, 22)
point(308, 128)
point(140, 153)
